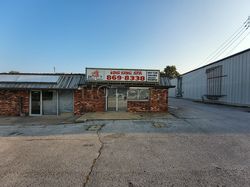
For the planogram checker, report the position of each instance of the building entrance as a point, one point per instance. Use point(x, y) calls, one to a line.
point(117, 99)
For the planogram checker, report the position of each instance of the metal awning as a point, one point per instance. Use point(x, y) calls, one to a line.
point(40, 81)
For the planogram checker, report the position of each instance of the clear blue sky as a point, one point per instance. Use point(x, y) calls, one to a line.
point(36, 35)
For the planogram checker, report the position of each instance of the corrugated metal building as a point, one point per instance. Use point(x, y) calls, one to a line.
point(225, 81)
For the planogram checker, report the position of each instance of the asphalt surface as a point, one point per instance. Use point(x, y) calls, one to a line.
point(47, 160)
point(198, 145)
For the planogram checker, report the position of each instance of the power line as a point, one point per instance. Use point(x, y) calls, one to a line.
point(238, 43)
point(246, 26)
point(239, 29)
point(228, 46)
point(229, 42)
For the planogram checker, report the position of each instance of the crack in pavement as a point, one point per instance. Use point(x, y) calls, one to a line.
point(95, 160)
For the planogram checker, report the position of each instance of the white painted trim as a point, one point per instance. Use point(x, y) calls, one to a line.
point(138, 88)
point(30, 103)
point(41, 103)
point(116, 100)
point(106, 100)
point(57, 103)
point(73, 100)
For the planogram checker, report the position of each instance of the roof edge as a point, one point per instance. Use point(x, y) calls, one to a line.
point(236, 54)
point(56, 74)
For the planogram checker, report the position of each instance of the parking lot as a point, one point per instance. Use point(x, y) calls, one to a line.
point(197, 145)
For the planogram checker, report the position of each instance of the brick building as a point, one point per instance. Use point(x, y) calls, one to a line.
point(97, 90)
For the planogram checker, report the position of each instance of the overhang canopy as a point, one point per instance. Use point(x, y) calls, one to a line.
point(61, 81)
point(40, 81)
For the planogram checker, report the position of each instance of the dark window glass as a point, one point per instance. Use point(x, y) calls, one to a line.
point(47, 95)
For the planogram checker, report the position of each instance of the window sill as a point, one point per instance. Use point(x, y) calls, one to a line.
point(138, 100)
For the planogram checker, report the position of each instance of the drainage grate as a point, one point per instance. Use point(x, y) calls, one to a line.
point(93, 127)
point(15, 133)
point(158, 125)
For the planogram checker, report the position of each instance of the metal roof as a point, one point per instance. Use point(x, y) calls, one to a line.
point(236, 54)
point(29, 78)
point(65, 81)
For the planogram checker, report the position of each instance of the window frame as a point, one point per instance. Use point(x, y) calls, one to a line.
point(138, 90)
point(214, 80)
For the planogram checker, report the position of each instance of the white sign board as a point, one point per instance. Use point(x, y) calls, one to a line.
point(122, 75)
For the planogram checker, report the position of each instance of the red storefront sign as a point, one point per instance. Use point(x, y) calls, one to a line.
point(122, 75)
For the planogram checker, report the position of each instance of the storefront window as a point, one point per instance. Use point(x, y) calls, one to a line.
point(144, 94)
point(138, 94)
point(47, 95)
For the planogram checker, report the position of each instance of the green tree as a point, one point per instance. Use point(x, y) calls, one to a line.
point(171, 72)
point(14, 72)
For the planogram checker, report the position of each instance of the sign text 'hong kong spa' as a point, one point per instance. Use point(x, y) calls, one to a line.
point(122, 75)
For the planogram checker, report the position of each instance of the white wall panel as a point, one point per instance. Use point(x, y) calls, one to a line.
point(172, 91)
point(235, 84)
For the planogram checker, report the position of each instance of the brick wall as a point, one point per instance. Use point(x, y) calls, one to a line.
point(13, 102)
point(138, 106)
point(93, 100)
point(89, 100)
point(158, 102)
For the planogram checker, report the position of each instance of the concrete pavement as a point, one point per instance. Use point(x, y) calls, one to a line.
point(199, 145)
point(64, 118)
point(46, 161)
point(172, 160)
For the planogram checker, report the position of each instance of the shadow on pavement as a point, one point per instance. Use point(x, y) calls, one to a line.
point(184, 117)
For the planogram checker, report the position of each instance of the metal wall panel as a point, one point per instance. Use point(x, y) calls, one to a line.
point(65, 101)
point(194, 85)
point(235, 83)
point(173, 91)
point(49, 106)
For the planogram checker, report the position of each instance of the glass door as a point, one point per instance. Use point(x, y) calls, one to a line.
point(35, 103)
point(117, 99)
point(112, 99)
point(122, 99)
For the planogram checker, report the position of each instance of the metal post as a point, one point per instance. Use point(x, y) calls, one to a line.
point(106, 99)
point(41, 103)
point(57, 103)
point(116, 99)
